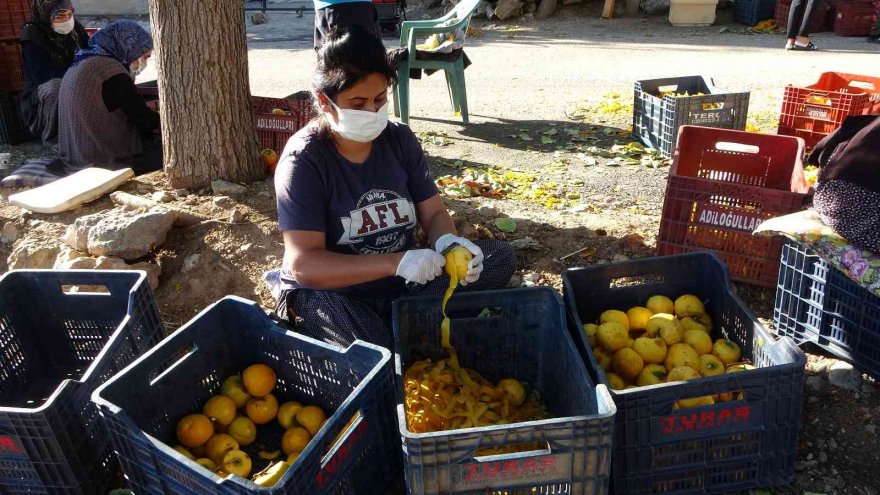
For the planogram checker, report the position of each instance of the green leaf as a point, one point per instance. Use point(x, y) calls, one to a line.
point(552, 132)
point(547, 140)
point(505, 225)
point(525, 137)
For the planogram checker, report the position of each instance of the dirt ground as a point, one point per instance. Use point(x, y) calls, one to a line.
point(551, 105)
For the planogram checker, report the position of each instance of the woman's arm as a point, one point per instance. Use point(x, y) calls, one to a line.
point(36, 64)
point(434, 218)
point(120, 92)
point(312, 265)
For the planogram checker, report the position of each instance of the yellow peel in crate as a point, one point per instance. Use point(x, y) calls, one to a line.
point(457, 260)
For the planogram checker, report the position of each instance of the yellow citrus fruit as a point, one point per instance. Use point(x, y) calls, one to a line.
point(590, 329)
point(660, 321)
point(603, 358)
point(728, 352)
point(737, 367)
point(220, 409)
point(638, 317)
point(616, 316)
point(219, 445)
point(295, 440)
point(681, 373)
point(615, 381)
point(237, 462)
point(287, 413)
point(631, 342)
point(261, 410)
point(612, 336)
point(243, 430)
point(185, 452)
point(681, 355)
point(207, 463)
point(699, 340)
point(513, 389)
point(705, 400)
point(689, 305)
point(259, 380)
point(710, 365)
point(457, 261)
point(627, 363)
point(234, 389)
point(194, 430)
point(699, 322)
point(660, 304)
point(293, 457)
point(311, 418)
point(672, 334)
point(652, 350)
point(651, 374)
point(278, 111)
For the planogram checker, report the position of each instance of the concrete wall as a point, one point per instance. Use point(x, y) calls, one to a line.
point(111, 7)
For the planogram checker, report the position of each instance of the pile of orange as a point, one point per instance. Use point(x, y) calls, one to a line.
point(216, 437)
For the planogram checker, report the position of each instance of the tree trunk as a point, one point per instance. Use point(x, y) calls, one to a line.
point(207, 125)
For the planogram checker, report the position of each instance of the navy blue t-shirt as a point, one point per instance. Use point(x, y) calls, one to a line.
point(362, 209)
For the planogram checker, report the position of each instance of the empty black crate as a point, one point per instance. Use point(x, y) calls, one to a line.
point(658, 113)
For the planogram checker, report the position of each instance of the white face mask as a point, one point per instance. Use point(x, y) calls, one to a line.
point(138, 66)
point(63, 27)
point(361, 126)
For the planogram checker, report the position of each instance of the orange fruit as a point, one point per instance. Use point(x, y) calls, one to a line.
point(220, 409)
point(243, 430)
point(219, 445)
point(295, 440)
point(311, 418)
point(513, 389)
point(194, 430)
point(287, 412)
point(184, 452)
point(234, 389)
point(269, 158)
point(261, 410)
point(259, 380)
point(237, 462)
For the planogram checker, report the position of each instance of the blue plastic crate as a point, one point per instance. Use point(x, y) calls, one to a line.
point(58, 346)
point(817, 303)
point(656, 120)
point(721, 448)
point(752, 12)
point(141, 406)
point(523, 336)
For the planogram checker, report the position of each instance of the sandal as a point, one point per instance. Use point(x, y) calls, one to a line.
point(810, 47)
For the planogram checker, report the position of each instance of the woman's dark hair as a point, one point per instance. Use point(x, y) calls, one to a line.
point(346, 58)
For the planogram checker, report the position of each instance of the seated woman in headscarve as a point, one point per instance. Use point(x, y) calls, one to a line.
point(49, 40)
point(848, 189)
point(103, 121)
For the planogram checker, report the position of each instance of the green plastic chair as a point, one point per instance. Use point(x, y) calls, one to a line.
point(412, 32)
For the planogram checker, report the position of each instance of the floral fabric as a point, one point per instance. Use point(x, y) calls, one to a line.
point(806, 227)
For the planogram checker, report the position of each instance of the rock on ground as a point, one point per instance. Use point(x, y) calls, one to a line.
point(32, 255)
point(70, 259)
point(505, 9)
point(9, 233)
point(545, 9)
point(225, 188)
point(121, 233)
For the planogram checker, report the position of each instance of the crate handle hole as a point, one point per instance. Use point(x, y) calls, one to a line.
point(669, 88)
point(85, 289)
point(862, 85)
point(646, 279)
point(463, 314)
point(177, 359)
point(737, 147)
point(519, 451)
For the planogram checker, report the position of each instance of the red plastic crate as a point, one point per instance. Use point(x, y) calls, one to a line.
point(13, 14)
point(722, 185)
point(854, 18)
point(819, 23)
point(817, 110)
point(11, 77)
point(273, 131)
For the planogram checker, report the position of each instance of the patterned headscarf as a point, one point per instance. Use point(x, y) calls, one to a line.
point(42, 11)
point(125, 41)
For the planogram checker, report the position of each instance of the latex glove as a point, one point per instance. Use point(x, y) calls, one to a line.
point(420, 266)
point(475, 266)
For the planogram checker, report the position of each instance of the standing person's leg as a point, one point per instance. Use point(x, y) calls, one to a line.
point(499, 262)
point(334, 318)
point(802, 41)
point(346, 15)
point(795, 14)
point(874, 37)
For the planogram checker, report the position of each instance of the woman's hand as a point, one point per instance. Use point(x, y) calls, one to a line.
point(420, 266)
point(475, 266)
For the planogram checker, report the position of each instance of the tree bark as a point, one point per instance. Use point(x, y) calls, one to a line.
point(207, 123)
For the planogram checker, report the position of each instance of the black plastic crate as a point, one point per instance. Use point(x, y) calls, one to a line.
point(817, 303)
point(720, 448)
point(142, 404)
point(752, 12)
point(521, 334)
point(58, 347)
point(656, 119)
